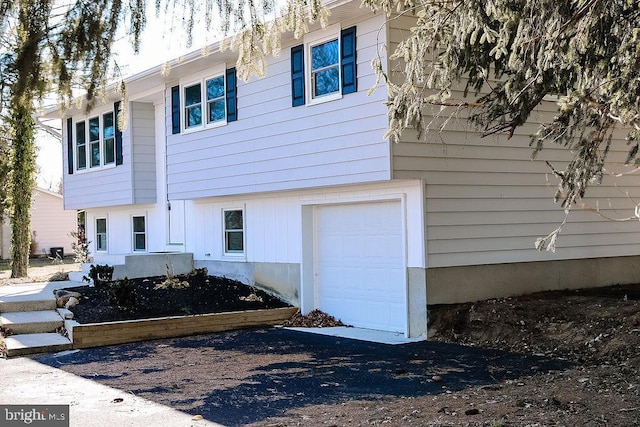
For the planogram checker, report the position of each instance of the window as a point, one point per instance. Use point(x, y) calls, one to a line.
point(94, 141)
point(139, 234)
point(192, 106)
point(215, 102)
point(81, 146)
point(216, 110)
point(101, 234)
point(207, 103)
point(325, 69)
point(108, 138)
point(233, 232)
point(329, 58)
point(97, 142)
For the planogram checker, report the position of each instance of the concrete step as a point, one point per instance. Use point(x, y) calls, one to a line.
point(31, 322)
point(29, 297)
point(20, 345)
point(26, 304)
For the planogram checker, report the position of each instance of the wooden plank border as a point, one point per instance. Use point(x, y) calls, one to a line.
point(108, 333)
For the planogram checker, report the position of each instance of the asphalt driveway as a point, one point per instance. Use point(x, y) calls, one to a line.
point(240, 377)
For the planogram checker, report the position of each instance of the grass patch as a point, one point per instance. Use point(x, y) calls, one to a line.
point(38, 262)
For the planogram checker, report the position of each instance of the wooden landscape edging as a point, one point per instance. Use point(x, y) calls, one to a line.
point(108, 333)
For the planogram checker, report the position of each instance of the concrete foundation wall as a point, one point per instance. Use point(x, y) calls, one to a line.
point(281, 279)
point(149, 265)
point(451, 285)
point(417, 304)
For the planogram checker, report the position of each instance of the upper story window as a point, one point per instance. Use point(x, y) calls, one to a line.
point(81, 146)
point(324, 68)
point(208, 102)
point(213, 92)
point(94, 142)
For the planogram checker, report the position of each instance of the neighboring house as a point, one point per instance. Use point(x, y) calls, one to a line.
point(50, 226)
point(288, 183)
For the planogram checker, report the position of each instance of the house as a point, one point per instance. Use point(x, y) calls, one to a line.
point(50, 226)
point(287, 182)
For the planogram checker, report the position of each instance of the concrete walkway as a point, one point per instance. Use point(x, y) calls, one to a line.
point(25, 381)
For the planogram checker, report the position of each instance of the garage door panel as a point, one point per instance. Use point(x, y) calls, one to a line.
point(360, 270)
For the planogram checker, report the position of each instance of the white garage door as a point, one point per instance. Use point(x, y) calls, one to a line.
point(359, 265)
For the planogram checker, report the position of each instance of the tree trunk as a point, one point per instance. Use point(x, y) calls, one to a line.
point(23, 162)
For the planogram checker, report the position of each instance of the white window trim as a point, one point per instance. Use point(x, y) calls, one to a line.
point(146, 235)
point(235, 254)
point(201, 78)
point(329, 33)
point(106, 233)
point(87, 143)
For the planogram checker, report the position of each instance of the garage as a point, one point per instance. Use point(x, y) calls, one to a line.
point(359, 264)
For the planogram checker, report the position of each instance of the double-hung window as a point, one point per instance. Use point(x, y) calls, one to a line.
point(205, 102)
point(215, 108)
point(101, 234)
point(95, 142)
point(81, 146)
point(109, 138)
point(139, 234)
point(233, 231)
point(324, 67)
point(192, 106)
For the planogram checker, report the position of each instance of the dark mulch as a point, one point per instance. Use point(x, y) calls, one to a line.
point(205, 294)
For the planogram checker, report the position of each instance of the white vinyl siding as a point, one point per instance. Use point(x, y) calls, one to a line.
point(120, 231)
point(134, 181)
point(274, 147)
point(487, 202)
point(143, 152)
point(272, 225)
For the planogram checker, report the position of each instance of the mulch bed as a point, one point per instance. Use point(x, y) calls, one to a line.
point(204, 294)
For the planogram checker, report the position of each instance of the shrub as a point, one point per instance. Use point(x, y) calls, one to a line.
point(101, 274)
point(80, 246)
point(122, 293)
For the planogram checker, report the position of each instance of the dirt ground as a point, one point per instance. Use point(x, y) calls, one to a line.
point(40, 269)
point(593, 335)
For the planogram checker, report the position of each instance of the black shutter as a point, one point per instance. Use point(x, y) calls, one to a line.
point(118, 135)
point(297, 75)
point(70, 145)
point(232, 95)
point(175, 109)
point(348, 60)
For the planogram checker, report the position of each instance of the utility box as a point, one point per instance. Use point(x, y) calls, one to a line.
point(56, 252)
